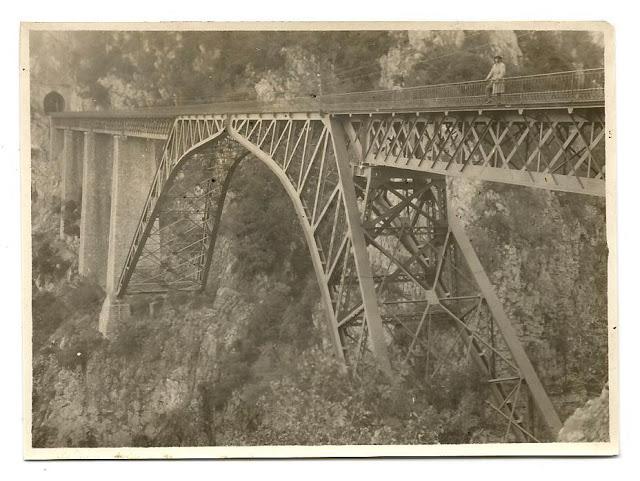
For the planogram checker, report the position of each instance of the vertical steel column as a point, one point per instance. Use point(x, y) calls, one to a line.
point(359, 246)
point(363, 138)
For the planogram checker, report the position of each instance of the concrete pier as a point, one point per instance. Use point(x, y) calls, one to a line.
point(134, 165)
point(56, 143)
point(71, 189)
point(96, 207)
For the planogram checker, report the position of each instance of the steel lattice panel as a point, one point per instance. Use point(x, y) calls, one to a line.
point(546, 149)
point(436, 317)
point(303, 152)
point(177, 247)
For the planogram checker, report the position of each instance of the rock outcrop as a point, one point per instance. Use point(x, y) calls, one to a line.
point(589, 423)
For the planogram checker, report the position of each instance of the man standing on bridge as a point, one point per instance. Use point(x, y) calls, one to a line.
point(496, 79)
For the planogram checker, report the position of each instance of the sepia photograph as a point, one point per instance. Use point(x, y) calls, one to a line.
point(318, 239)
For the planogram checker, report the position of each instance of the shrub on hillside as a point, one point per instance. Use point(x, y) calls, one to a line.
point(71, 217)
point(84, 296)
point(79, 341)
point(318, 403)
point(47, 262)
point(50, 310)
point(130, 338)
point(48, 313)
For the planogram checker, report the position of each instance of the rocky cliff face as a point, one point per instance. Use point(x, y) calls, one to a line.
point(248, 362)
point(129, 391)
point(546, 254)
point(440, 54)
point(589, 423)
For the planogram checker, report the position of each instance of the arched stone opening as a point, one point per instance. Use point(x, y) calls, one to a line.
point(53, 102)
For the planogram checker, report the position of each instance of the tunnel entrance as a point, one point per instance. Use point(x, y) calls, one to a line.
point(53, 102)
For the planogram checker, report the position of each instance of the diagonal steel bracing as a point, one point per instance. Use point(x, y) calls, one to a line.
point(443, 313)
point(544, 149)
point(172, 245)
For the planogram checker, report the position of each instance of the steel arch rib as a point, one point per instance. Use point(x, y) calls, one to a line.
point(175, 153)
point(306, 228)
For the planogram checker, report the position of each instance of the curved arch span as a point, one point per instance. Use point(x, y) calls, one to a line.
point(173, 191)
point(173, 246)
point(307, 229)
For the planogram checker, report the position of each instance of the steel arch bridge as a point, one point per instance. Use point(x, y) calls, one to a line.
point(366, 174)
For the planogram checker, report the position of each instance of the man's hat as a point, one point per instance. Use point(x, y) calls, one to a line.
point(497, 56)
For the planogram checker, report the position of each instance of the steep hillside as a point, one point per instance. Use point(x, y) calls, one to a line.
point(546, 253)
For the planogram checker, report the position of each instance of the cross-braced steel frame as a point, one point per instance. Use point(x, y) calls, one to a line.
point(399, 280)
point(173, 243)
point(437, 304)
point(558, 149)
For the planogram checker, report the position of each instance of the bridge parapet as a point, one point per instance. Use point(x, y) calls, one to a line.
point(129, 126)
point(580, 88)
point(583, 87)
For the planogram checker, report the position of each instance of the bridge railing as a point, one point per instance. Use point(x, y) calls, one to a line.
point(580, 86)
point(574, 86)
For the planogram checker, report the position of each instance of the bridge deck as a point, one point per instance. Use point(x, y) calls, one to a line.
point(544, 131)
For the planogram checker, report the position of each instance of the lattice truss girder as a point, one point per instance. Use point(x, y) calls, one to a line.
point(172, 246)
point(557, 150)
